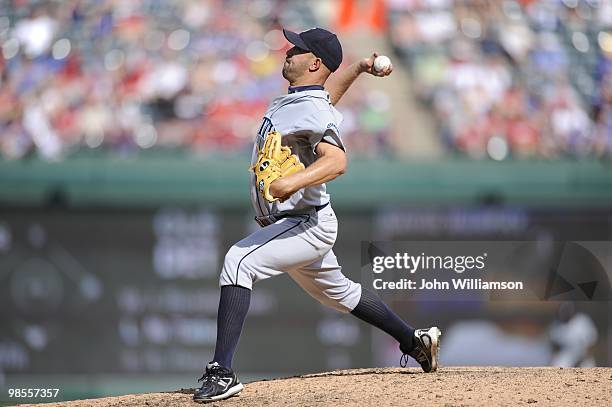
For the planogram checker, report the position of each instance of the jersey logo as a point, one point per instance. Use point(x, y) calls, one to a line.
point(332, 126)
point(265, 128)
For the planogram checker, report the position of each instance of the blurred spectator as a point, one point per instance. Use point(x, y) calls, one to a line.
point(511, 78)
point(36, 33)
point(572, 336)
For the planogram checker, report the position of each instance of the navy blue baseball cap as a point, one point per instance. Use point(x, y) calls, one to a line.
point(322, 43)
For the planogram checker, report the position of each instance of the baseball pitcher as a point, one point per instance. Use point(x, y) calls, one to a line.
point(298, 148)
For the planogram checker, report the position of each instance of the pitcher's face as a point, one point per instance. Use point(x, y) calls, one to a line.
point(296, 64)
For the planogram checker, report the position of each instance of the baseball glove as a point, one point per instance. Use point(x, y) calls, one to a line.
point(274, 161)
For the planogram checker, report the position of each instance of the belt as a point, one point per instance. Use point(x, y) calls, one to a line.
point(266, 220)
point(318, 208)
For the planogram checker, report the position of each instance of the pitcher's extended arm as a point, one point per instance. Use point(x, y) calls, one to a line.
point(339, 82)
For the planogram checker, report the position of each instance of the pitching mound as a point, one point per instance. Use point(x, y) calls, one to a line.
point(399, 387)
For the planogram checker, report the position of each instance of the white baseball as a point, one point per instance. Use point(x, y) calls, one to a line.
point(381, 63)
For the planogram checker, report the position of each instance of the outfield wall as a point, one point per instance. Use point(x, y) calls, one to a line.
point(162, 180)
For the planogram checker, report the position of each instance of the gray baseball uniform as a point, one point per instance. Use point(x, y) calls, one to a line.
point(299, 244)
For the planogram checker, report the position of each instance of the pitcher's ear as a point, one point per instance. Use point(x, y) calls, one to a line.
point(316, 64)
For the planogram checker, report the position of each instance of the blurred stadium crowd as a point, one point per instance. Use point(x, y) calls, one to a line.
point(501, 78)
point(132, 75)
point(518, 78)
point(127, 76)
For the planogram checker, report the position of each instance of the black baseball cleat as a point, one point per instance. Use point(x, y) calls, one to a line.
point(218, 383)
point(425, 351)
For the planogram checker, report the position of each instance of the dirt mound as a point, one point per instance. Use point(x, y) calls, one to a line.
point(399, 387)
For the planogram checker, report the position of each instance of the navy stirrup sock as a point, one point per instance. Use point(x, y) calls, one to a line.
point(372, 310)
point(233, 307)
